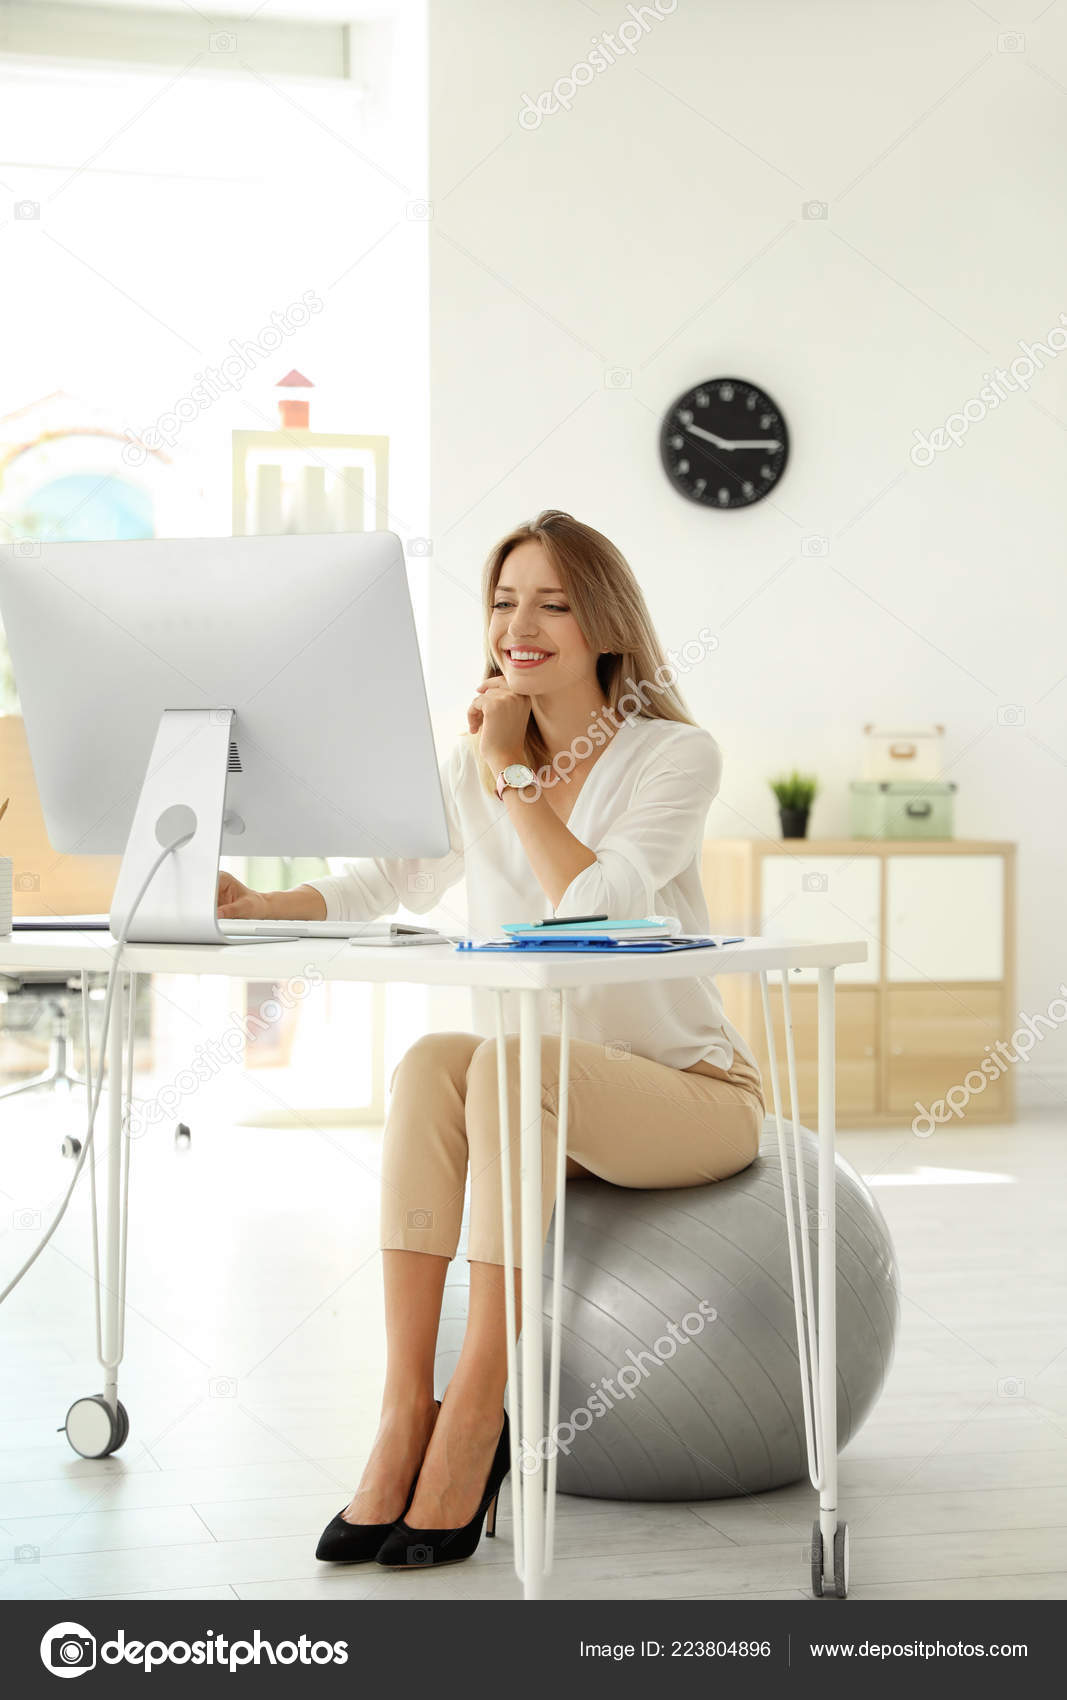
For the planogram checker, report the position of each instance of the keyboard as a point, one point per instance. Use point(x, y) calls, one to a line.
point(59, 923)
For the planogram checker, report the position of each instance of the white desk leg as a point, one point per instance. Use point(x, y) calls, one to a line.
point(514, 1394)
point(816, 1345)
point(533, 1532)
point(97, 1424)
point(119, 1094)
point(533, 1505)
point(112, 1351)
point(556, 1342)
point(828, 1522)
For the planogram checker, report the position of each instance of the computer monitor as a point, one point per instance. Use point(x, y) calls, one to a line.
point(269, 687)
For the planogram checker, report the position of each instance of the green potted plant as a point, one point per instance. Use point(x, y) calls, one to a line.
point(795, 793)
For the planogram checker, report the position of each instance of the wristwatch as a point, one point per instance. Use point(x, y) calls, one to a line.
point(516, 776)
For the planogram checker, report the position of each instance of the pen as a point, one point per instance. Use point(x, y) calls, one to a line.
point(556, 921)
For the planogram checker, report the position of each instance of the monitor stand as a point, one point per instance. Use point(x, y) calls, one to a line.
point(184, 789)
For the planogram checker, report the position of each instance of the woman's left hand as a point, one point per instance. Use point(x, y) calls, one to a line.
point(501, 716)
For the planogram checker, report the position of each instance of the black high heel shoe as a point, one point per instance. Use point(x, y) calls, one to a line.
point(418, 1548)
point(352, 1543)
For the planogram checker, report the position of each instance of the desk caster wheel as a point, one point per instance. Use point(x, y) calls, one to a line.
point(841, 1561)
point(93, 1429)
point(182, 1137)
point(816, 1560)
point(70, 1146)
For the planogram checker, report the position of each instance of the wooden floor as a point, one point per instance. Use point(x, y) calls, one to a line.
point(252, 1373)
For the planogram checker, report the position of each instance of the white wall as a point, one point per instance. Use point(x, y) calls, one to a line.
point(658, 227)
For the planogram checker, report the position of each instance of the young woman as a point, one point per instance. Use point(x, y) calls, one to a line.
point(581, 788)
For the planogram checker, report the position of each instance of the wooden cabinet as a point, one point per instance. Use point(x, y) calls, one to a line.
point(937, 1035)
point(811, 897)
point(936, 992)
point(945, 917)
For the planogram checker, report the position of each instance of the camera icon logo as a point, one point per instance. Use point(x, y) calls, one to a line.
point(1011, 42)
point(222, 1387)
point(814, 882)
point(419, 211)
point(420, 1219)
point(618, 378)
point(1011, 1387)
point(27, 209)
point(420, 1555)
point(815, 545)
point(68, 1649)
point(815, 209)
point(223, 41)
point(1011, 714)
point(617, 1050)
point(420, 546)
point(423, 882)
point(27, 1554)
point(27, 882)
point(26, 1219)
point(25, 547)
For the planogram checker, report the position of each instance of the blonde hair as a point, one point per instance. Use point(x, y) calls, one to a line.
point(607, 603)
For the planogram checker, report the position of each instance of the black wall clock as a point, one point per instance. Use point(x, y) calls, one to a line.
point(724, 443)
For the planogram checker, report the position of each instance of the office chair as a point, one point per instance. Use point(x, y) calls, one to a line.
point(59, 995)
point(45, 990)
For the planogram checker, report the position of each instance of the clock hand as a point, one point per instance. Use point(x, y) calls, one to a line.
point(724, 443)
point(709, 436)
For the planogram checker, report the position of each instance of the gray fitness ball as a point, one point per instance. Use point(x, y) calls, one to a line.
point(722, 1413)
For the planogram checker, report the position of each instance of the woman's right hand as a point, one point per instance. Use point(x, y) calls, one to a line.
point(237, 902)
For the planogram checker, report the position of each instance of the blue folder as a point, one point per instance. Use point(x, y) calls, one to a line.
point(575, 942)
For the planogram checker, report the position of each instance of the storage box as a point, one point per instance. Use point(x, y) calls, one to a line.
point(902, 755)
point(882, 809)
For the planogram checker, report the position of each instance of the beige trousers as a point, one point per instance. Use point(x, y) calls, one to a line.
point(630, 1121)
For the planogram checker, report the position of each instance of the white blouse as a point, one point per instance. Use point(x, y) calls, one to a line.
point(642, 809)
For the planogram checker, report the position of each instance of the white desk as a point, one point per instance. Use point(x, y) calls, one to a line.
point(529, 976)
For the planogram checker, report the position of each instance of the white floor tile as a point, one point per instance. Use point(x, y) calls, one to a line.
point(302, 1514)
point(106, 1531)
point(220, 1593)
point(1050, 1586)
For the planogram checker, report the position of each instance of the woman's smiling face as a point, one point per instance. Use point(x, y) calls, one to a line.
point(534, 637)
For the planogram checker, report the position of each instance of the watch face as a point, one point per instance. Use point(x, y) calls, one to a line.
point(724, 443)
point(518, 774)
